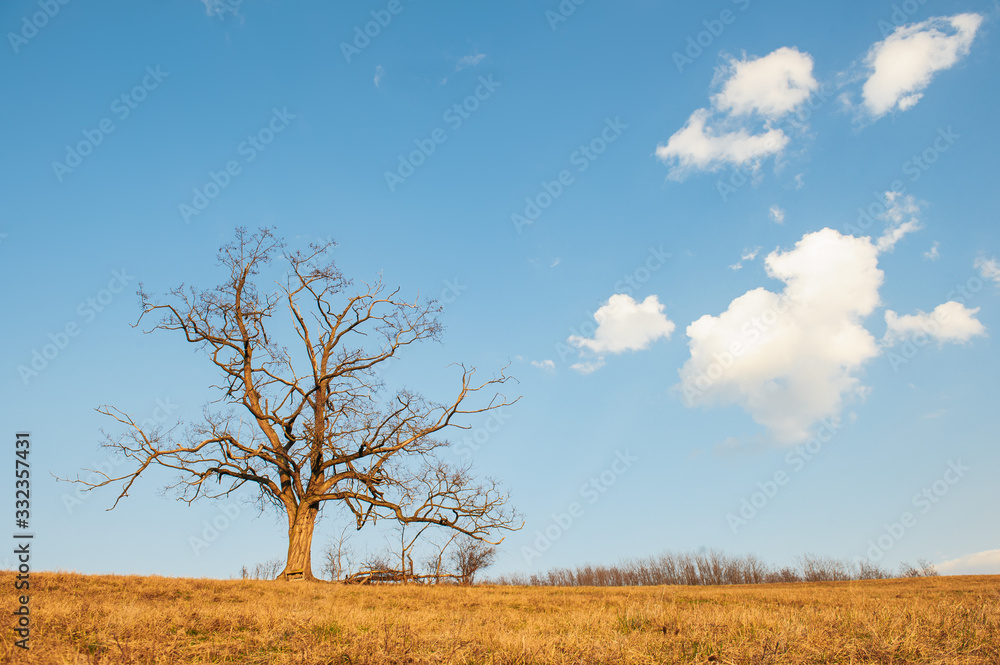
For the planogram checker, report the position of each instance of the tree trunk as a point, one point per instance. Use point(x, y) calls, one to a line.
point(301, 524)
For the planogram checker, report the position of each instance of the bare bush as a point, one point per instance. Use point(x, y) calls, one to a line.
point(470, 557)
point(824, 569)
point(266, 570)
point(927, 568)
point(711, 567)
point(871, 571)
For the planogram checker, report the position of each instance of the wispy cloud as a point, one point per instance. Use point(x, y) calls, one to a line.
point(980, 563)
point(221, 7)
point(747, 255)
point(777, 215)
point(900, 218)
point(379, 73)
point(933, 254)
point(469, 61)
point(988, 268)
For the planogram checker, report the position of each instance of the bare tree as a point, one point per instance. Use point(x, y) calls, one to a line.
point(470, 557)
point(311, 424)
point(337, 557)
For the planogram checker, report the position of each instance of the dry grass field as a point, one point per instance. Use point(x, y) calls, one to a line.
point(118, 619)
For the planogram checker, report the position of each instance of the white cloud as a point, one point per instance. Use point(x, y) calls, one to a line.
point(903, 64)
point(980, 563)
point(544, 364)
point(790, 359)
point(949, 322)
point(221, 7)
point(469, 61)
point(933, 254)
point(379, 73)
point(697, 147)
point(777, 214)
point(622, 325)
point(900, 218)
point(771, 86)
point(988, 268)
point(588, 366)
point(747, 255)
point(768, 87)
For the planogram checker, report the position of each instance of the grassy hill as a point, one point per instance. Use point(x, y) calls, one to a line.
point(121, 619)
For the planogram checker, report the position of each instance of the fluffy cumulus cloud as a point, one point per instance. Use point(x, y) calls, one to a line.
point(771, 86)
point(980, 563)
point(949, 322)
point(622, 325)
point(791, 359)
point(699, 147)
point(752, 91)
point(902, 65)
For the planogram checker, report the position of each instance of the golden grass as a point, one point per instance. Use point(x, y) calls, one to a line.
point(117, 619)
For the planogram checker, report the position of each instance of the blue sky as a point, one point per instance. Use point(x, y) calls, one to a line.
point(679, 172)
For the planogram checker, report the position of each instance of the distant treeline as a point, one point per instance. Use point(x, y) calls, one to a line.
point(713, 568)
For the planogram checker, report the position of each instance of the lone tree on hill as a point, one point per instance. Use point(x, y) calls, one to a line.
point(312, 424)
